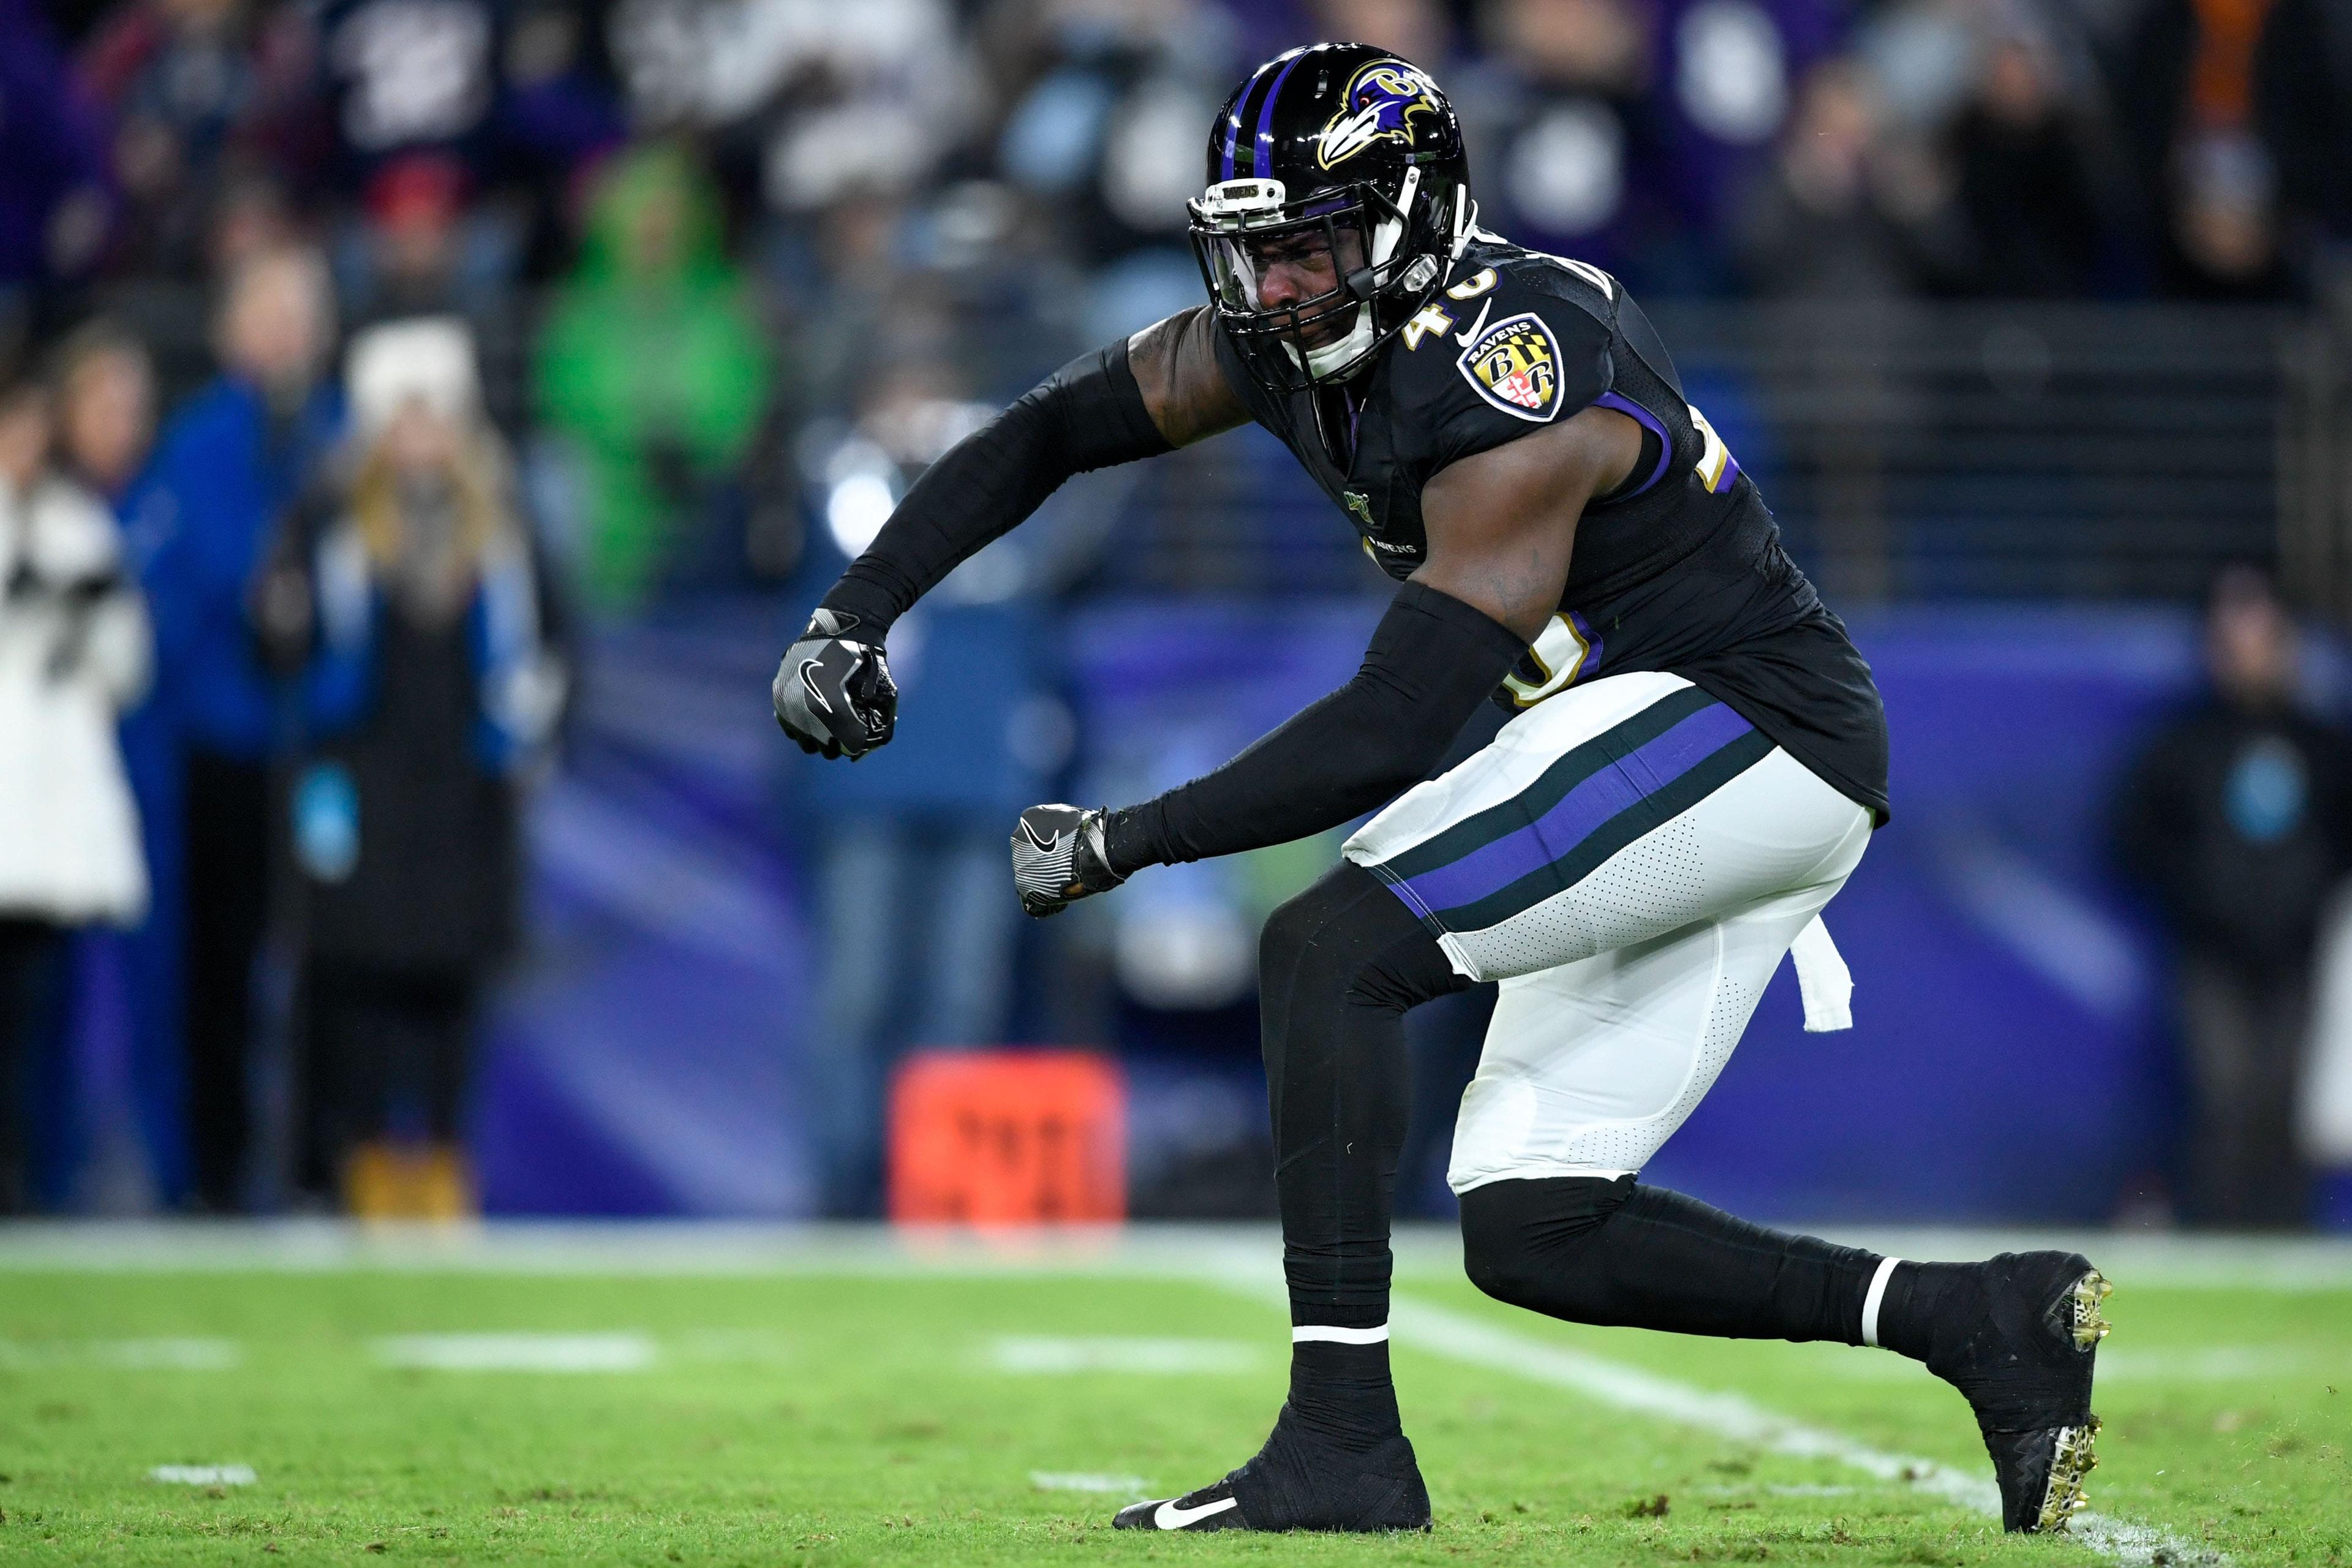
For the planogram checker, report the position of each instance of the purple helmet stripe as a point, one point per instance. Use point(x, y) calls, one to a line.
point(1241, 107)
point(1234, 120)
point(1262, 147)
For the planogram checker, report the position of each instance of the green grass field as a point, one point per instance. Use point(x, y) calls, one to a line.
point(848, 1404)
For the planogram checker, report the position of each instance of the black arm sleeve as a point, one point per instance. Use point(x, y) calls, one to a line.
point(1089, 414)
point(1432, 661)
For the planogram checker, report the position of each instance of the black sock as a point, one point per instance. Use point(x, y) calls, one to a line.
point(1341, 1393)
point(1916, 1292)
point(1596, 1250)
point(1338, 967)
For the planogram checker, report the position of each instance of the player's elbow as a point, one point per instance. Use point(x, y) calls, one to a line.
point(1381, 775)
point(1405, 746)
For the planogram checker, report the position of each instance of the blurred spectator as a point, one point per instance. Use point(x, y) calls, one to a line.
point(227, 467)
point(2193, 75)
point(1729, 73)
point(1569, 157)
point(653, 363)
point(418, 251)
point(2237, 819)
point(105, 388)
point(2304, 104)
point(251, 219)
point(1109, 134)
point(423, 246)
point(1416, 29)
point(2022, 151)
point(561, 116)
point(186, 83)
point(56, 201)
point(74, 652)
point(412, 590)
point(410, 76)
point(1846, 213)
point(831, 100)
point(909, 850)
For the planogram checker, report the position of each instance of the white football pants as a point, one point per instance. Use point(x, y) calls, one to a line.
point(1631, 859)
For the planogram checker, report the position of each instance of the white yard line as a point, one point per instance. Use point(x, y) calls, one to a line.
point(1176, 1251)
point(1461, 1337)
point(622, 1352)
point(131, 1355)
point(1242, 1257)
point(202, 1475)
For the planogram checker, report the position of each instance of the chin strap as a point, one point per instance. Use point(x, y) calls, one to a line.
point(1334, 357)
point(1387, 234)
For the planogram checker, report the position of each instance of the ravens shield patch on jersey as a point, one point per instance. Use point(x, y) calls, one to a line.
point(1515, 365)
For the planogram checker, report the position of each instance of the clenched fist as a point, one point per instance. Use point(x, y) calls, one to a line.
point(833, 693)
point(1059, 856)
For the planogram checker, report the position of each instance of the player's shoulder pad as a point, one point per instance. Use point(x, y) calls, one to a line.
point(1515, 340)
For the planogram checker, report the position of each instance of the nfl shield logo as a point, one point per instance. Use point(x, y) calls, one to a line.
point(1515, 365)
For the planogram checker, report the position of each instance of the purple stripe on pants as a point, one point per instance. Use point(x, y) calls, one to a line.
point(1492, 866)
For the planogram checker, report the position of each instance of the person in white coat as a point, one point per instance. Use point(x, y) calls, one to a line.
point(74, 652)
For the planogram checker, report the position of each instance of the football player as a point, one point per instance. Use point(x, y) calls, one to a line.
point(1698, 762)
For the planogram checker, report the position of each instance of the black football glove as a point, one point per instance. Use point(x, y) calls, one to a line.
point(832, 693)
point(1059, 857)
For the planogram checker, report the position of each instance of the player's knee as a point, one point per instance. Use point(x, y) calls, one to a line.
point(1534, 1244)
point(1290, 933)
point(1335, 938)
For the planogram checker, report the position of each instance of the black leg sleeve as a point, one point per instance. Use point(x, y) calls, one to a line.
point(1613, 1252)
point(1338, 965)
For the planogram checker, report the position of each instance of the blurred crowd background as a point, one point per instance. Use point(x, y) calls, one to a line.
point(422, 422)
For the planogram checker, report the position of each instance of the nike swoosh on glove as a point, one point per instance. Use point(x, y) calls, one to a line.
point(1058, 858)
point(832, 693)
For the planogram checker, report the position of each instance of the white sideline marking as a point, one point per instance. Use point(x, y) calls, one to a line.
point(204, 1475)
point(128, 1355)
point(518, 1352)
point(1056, 1354)
point(1466, 1339)
point(1089, 1481)
point(1177, 1251)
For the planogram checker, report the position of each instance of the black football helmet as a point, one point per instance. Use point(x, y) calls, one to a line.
point(1338, 195)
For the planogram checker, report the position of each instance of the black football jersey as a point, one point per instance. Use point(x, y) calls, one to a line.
point(1680, 568)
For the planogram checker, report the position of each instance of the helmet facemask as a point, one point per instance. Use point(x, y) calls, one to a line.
point(1353, 278)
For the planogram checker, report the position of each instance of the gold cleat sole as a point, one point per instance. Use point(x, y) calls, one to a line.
point(2090, 1324)
point(2076, 1455)
point(2070, 1466)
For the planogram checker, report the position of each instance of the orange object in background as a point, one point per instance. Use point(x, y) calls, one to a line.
point(409, 1181)
point(1008, 1138)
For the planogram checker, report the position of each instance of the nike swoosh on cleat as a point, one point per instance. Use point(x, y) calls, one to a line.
point(1171, 1515)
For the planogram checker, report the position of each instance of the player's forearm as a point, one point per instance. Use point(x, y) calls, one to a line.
point(1088, 416)
point(1431, 663)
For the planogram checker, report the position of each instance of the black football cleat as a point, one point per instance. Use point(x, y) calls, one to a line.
point(2020, 1344)
point(1298, 1482)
